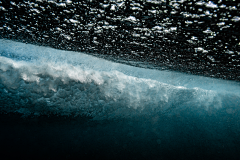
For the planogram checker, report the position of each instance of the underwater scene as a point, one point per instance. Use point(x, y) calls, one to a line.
point(119, 79)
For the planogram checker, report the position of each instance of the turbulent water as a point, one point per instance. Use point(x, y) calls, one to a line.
point(43, 81)
point(57, 101)
point(198, 37)
point(128, 108)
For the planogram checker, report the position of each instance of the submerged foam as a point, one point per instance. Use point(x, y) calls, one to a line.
point(36, 80)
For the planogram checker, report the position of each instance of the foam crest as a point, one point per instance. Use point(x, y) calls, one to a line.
point(38, 80)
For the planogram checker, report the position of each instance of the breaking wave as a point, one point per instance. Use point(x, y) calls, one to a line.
point(37, 80)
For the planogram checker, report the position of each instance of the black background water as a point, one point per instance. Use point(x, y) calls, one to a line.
point(182, 136)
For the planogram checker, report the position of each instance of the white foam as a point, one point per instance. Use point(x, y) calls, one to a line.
point(40, 80)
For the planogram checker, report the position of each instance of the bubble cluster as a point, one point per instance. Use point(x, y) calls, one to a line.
point(159, 34)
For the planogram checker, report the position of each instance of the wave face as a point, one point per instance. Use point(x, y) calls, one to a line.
point(114, 111)
point(76, 106)
point(36, 80)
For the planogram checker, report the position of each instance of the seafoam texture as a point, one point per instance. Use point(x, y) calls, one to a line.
point(37, 80)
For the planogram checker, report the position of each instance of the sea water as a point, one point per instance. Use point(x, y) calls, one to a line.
point(101, 109)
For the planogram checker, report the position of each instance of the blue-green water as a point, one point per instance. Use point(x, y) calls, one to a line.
point(58, 104)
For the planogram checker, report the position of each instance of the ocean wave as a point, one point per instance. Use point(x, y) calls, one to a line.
point(36, 80)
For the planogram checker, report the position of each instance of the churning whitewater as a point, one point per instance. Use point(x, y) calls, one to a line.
point(37, 80)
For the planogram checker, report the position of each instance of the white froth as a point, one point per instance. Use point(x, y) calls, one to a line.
point(40, 80)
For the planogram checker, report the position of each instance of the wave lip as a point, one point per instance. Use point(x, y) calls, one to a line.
point(36, 80)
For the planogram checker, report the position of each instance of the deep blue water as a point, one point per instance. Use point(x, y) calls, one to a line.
point(176, 137)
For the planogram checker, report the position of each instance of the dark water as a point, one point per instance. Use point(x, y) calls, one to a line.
point(159, 136)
